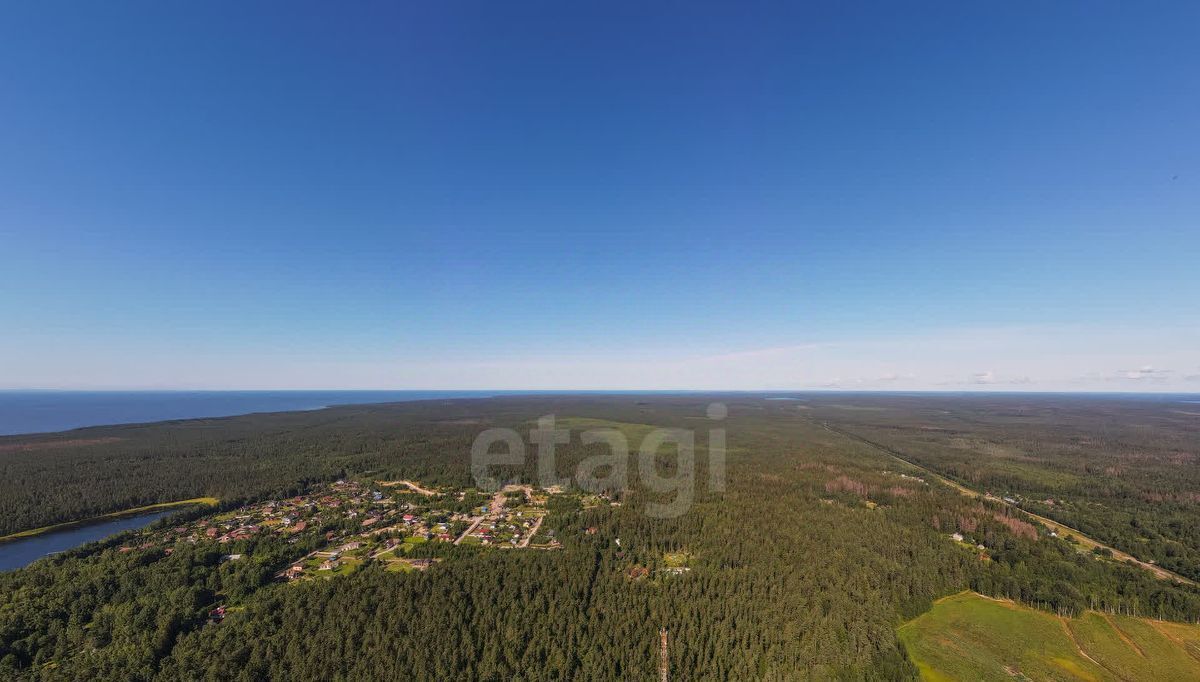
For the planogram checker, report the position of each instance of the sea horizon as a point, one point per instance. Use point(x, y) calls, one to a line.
point(37, 411)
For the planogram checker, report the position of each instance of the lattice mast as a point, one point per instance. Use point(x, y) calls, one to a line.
point(662, 655)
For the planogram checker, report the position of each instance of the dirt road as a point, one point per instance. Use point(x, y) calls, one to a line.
point(532, 532)
point(474, 523)
point(410, 485)
point(1085, 542)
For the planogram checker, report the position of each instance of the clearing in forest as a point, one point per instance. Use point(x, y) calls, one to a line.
point(970, 637)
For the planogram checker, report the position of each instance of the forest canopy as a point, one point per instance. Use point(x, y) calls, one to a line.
point(801, 567)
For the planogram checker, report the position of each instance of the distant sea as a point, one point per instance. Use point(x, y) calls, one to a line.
point(42, 411)
point(45, 411)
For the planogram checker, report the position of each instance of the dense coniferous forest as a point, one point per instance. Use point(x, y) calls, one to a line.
point(800, 568)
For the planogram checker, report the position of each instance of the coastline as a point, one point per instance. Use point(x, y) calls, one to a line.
point(133, 511)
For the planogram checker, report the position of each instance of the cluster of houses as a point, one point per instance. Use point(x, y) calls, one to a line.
point(507, 529)
point(511, 520)
point(332, 505)
point(389, 529)
point(355, 522)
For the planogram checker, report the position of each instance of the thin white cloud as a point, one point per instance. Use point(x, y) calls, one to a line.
point(1029, 358)
point(1145, 372)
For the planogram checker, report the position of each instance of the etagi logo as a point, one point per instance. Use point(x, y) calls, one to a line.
point(545, 437)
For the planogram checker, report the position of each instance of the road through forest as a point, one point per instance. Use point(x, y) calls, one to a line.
point(1085, 542)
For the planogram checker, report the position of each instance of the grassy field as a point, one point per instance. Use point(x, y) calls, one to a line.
point(208, 501)
point(676, 559)
point(634, 433)
point(970, 637)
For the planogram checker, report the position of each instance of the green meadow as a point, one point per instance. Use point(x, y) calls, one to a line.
point(634, 433)
point(970, 637)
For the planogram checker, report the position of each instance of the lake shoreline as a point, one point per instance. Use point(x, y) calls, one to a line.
point(133, 511)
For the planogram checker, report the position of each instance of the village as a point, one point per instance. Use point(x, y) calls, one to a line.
point(354, 522)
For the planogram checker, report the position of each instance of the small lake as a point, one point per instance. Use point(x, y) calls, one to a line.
point(20, 553)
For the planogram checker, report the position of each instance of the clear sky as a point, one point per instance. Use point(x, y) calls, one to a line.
point(900, 195)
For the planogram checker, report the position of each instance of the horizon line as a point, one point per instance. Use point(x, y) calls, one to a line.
point(964, 389)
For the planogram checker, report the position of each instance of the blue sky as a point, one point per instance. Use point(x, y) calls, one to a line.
point(600, 195)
